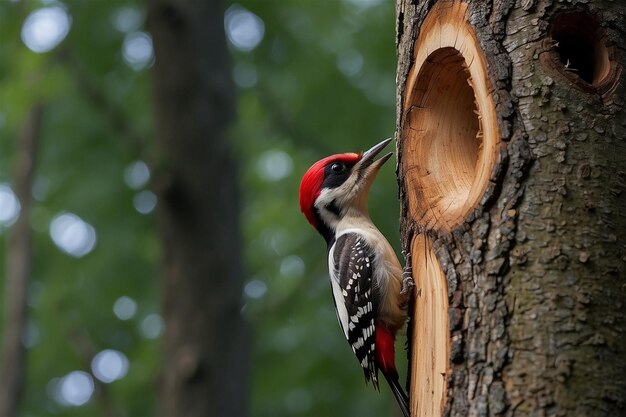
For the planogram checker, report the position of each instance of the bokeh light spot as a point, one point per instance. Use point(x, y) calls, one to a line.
point(255, 289)
point(109, 365)
point(41, 188)
point(124, 308)
point(363, 4)
point(137, 175)
point(145, 202)
point(152, 326)
point(292, 266)
point(31, 335)
point(244, 29)
point(127, 19)
point(350, 62)
point(274, 165)
point(9, 206)
point(137, 50)
point(75, 388)
point(45, 28)
point(72, 235)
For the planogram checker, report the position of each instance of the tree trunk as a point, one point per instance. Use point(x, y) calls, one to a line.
point(19, 259)
point(512, 169)
point(206, 351)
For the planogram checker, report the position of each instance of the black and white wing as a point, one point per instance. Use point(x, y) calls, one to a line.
point(354, 293)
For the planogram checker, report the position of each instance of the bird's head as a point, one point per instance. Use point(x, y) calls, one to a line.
point(337, 186)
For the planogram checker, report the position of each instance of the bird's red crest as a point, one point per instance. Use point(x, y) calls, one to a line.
point(311, 184)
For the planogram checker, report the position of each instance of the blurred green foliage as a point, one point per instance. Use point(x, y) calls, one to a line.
point(320, 81)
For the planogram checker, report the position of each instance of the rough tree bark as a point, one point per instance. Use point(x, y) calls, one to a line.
point(19, 258)
point(206, 352)
point(512, 169)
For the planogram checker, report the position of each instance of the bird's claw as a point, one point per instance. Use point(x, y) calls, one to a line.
point(407, 284)
point(407, 274)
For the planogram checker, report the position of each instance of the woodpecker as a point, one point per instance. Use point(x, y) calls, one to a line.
point(370, 288)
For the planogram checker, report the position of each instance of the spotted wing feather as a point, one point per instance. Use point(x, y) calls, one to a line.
point(353, 285)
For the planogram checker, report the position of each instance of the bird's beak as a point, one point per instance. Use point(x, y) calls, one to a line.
point(368, 157)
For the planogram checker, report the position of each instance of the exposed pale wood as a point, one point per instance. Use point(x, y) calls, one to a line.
point(430, 333)
point(451, 131)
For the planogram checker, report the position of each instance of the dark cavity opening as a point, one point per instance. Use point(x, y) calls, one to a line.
point(580, 47)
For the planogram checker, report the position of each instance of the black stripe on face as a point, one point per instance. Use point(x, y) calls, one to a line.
point(335, 174)
point(323, 229)
point(332, 207)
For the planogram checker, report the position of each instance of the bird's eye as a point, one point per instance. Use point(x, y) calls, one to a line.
point(337, 167)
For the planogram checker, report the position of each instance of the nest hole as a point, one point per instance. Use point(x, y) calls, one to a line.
point(580, 48)
point(445, 139)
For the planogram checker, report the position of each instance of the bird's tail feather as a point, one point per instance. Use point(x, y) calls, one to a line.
point(398, 393)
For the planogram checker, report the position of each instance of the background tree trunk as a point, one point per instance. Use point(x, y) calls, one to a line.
point(512, 169)
point(18, 269)
point(206, 351)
